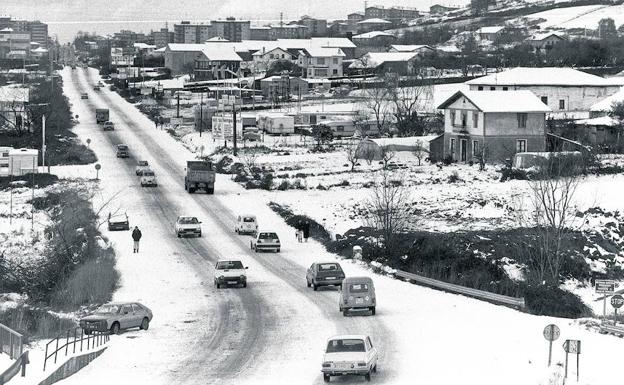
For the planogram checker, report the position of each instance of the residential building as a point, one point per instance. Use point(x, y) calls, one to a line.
point(127, 38)
point(163, 37)
point(419, 49)
point(438, 9)
point(394, 14)
point(490, 33)
point(568, 92)
point(38, 32)
point(321, 62)
point(374, 39)
point(279, 88)
point(316, 27)
point(340, 28)
point(289, 31)
point(217, 61)
point(545, 41)
point(187, 33)
point(402, 63)
point(496, 124)
point(259, 33)
point(374, 24)
point(13, 44)
point(355, 17)
point(263, 59)
point(232, 29)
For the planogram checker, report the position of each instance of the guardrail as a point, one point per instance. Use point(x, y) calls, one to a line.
point(93, 340)
point(11, 342)
point(517, 302)
point(15, 367)
point(607, 328)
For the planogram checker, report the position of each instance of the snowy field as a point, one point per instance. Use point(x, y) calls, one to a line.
point(579, 17)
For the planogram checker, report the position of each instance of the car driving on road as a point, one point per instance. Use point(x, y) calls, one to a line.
point(188, 225)
point(349, 355)
point(324, 274)
point(122, 151)
point(246, 224)
point(108, 126)
point(148, 178)
point(230, 272)
point(142, 165)
point(84, 95)
point(116, 316)
point(357, 293)
point(266, 240)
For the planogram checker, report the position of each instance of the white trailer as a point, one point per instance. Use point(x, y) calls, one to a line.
point(276, 124)
point(23, 161)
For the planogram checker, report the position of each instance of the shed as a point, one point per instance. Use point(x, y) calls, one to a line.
point(23, 161)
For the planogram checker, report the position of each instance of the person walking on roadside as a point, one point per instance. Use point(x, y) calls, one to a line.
point(136, 236)
point(306, 230)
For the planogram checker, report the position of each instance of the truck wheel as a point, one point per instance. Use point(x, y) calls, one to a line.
point(372, 310)
point(244, 284)
point(314, 287)
point(308, 283)
point(367, 376)
point(345, 312)
point(199, 234)
point(210, 191)
point(326, 377)
point(179, 236)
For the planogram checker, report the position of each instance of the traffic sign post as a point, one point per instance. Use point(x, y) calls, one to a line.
point(616, 301)
point(572, 347)
point(551, 333)
point(604, 286)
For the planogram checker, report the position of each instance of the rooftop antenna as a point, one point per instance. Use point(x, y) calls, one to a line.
point(281, 19)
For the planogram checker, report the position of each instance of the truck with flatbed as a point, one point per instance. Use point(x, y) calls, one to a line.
point(101, 115)
point(200, 174)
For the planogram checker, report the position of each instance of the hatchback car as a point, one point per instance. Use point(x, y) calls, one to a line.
point(324, 274)
point(122, 151)
point(230, 272)
point(266, 240)
point(117, 316)
point(142, 165)
point(187, 225)
point(148, 178)
point(357, 293)
point(349, 355)
point(108, 126)
point(118, 222)
point(246, 224)
point(84, 96)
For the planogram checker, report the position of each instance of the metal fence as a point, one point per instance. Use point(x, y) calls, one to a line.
point(517, 302)
point(72, 341)
point(11, 342)
point(18, 365)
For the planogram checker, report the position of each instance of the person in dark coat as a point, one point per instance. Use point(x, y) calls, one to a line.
point(306, 230)
point(136, 236)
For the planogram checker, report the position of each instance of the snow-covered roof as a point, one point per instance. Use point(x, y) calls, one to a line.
point(375, 59)
point(409, 47)
point(220, 52)
point(373, 34)
point(7, 29)
point(545, 35)
point(24, 151)
point(180, 47)
point(324, 52)
point(547, 76)
point(17, 94)
point(492, 29)
point(500, 101)
point(217, 39)
point(374, 20)
point(605, 104)
point(39, 50)
point(264, 52)
point(144, 46)
point(601, 121)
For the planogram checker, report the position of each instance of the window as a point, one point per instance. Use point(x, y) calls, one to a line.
point(475, 119)
point(452, 117)
point(320, 60)
point(505, 88)
point(271, 56)
point(464, 118)
point(480, 88)
point(561, 104)
point(492, 88)
point(521, 145)
point(475, 147)
point(522, 120)
point(335, 71)
point(452, 147)
point(282, 56)
point(340, 128)
point(335, 60)
point(544, 100)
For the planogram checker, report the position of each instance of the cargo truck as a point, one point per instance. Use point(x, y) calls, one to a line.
point(199, 174)
point(101, 115)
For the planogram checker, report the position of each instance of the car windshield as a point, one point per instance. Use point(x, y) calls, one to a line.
point(188, 220)
point(347, 345)
point(122, 147)
point(108, 309)
point(267, 236)
point(329, 267)
point(249, 219)
point(142, 163)
point(223, 265)
point(358, 288)
point(148, 173)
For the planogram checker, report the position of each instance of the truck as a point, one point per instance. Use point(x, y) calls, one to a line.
point(101, 115)
point(199, 174)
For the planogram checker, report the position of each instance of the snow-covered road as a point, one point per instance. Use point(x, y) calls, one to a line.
point(274, 330)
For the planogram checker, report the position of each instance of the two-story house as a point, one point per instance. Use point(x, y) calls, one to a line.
point(321, 62)
point(495, 124)
point(263, 59)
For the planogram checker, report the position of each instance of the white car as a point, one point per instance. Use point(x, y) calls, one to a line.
point(246, 224)
point(349, 355)
point(230, 272)
point(266, 240)
point(142, 166)
point(186, 225)
point(148, 178)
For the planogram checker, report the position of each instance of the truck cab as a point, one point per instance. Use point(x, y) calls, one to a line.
point(200, 174)
point(101, 115)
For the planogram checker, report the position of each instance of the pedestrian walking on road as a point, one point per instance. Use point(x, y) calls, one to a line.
point(136, 236)
point(306, 230)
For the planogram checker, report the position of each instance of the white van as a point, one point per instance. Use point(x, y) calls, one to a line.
point(246, 224)
point(148, 178)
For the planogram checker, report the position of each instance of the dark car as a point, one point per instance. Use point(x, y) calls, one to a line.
point(118, 222)
point(108, 126)
point(324, 274)
point(116, 316)
point(122, 151)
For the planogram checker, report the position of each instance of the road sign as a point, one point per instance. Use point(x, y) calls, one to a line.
point(551, 332)
point(605, 286)
point(617, 301)
point(572, 346)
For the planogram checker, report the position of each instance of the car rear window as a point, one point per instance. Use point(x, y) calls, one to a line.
point(122, 147)
point(249, 220)
point(223, 265)
point(142, 162)
point(267, 236)
point(148, 173)
point(329, 267)
point(188, 220)
point(358, 288)
point(347, 345)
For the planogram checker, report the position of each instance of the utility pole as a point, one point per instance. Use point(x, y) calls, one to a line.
point(234, 127)
point(32, 201)
point(178, 109)
point(43, 140)
point(201, 113)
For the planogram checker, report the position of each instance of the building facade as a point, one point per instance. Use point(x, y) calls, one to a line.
point(163, 37)
point(321, 62)
point(316, 27)
point(232, 29)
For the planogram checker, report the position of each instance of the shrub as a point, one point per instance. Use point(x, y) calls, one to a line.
point(266, 183)
point(454, 177)
point(298, 185)
point(241, 178)
point(284, 185)
point(448, 160)
point(509, 173)
point(555, 302)
point(41, 180)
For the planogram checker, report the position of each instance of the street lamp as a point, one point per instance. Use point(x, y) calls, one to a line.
point(97, 171)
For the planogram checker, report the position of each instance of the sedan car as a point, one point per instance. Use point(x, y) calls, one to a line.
point(122, 151)
point(230, 272)
point(148, 178)
point(188, 225)
point(118, 222)
point(265, 240)
point(349, 355)
point(116, 316)
point(324, 274)
point(142, 165)
point(84, 95)
point(108, 126)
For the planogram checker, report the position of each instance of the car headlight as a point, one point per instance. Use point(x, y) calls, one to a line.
point(367, 298)
point(277, 241)
point(350, 298)
point(243, 277)
point(327, 364)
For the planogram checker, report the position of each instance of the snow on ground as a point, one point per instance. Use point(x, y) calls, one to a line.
point(586, 16)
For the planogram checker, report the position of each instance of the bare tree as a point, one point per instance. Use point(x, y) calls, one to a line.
point(420, 152)
point(250, 159)
point(351, 153)
point(481, 157)
point(13, 114)
point(377, 103)
point(386, 156)
point(406, 104)
point(388, 209)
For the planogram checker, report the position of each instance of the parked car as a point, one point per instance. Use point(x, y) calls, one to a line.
point(324, 274)
point(252, 134)
point(84, 95)
point(186, 225)
point(96, 88)
point(246, 224)
point(265, 240)
point(122, 151)
point(349, 355)
point(357, 293)
point(118, 222)
point(142, 165)
point(230, 272)
point(148, 178)
point(116, 316)
point(108, 126)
